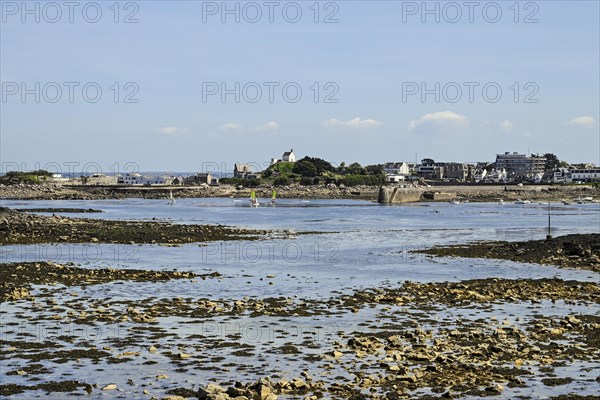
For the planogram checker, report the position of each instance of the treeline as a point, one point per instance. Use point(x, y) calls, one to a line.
point(310, 171)
point(32, 177)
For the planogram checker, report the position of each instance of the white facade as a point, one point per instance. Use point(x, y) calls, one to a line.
point(480, 175)
point(394, 178)
point(138, 179)
point(561, 175)
point(396, 171)
point(289, 156)
point(496, 176)
point(130, 179)
point(586, 175)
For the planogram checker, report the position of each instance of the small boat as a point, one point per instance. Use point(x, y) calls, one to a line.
point(588, 198)
point(519, 201)
point(455, 202)
point(567, 202)
point(501, 202)
point(253, 200)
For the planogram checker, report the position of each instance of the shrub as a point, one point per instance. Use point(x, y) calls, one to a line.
point(305, 168)
point(306, 181)
point(33, 177)
point(282, 181)
point(281, 168)
point(249, 183)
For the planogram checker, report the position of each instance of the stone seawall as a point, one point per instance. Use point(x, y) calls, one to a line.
point(389, 195)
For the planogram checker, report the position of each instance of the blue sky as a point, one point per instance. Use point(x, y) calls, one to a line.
point(366, 61)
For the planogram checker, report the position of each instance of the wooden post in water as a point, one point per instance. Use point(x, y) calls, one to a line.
point(549, 235)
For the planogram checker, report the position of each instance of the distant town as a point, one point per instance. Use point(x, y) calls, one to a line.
point(509, 167)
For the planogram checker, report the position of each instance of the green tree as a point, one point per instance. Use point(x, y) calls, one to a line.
point(280, 168)
point(552, 162)
point(356, 169)
point(375, 169)
point(305, 168)
point(282, 181)
point(320, 164)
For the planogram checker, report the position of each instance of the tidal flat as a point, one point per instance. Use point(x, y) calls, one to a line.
point(353, 312)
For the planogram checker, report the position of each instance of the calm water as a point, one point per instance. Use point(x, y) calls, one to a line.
point(359, 244)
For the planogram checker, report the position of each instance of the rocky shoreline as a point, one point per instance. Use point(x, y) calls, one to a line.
point(402, 353)
point(24, 228)
point(570, 251)
point(471, 338)
point(475, 193)
point(59, 192)
point(18, 278)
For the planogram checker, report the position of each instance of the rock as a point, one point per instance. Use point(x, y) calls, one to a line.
point(210, 391)
point(18, 293)
point(264, 392)
point(407, 378)
point(518, 363)
point(306, 376)
point(336, 354)
point(497, 389)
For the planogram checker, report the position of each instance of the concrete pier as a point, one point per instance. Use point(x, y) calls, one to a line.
point(392, 195)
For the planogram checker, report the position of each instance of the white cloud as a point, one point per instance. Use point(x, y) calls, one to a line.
point(230, 126)
point(439, 122)
point(353, 124)
point(234, 127)
point(268, 127)
point(584, 121)
point(506, 126)
point(172, 130)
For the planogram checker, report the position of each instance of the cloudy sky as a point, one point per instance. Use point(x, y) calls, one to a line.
point(183, 84)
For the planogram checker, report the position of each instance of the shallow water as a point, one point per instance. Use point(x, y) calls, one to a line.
point(361, 245)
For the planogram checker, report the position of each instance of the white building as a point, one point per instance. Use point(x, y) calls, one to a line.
point(138, 179)
point(480, 175)
point(130, 179)
point(289, 156)
point(561, 175)
point(496, 175)
point(396, 171)
point(586, 175)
